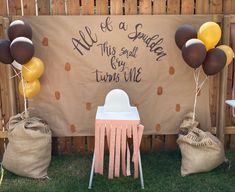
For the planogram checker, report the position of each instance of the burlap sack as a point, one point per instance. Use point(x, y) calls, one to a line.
point(201, 151)
point(28, 152)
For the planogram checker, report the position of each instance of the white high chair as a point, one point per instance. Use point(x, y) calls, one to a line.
point(116, 109)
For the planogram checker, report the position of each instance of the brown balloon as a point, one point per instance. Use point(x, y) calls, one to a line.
point(5, 54)
point(214, 62)
point(194, 52)
point(183, 34)
point(22, 49)
point(19, 28)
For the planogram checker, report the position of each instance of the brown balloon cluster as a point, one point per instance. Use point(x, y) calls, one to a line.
point(19, 52)
point(200, 47)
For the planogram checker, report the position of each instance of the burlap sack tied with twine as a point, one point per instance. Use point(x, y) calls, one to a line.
point(201, 151)
point(28, 152)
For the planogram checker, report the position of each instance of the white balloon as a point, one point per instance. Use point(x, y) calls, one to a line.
point(17, 22)
point(17, 65)
point(21, 39)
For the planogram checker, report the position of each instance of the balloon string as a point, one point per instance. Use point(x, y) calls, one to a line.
point(25, 100)
point(195, 74)
point(16, 74)
point(196, 78)
point(198, 87)
point(27, 68)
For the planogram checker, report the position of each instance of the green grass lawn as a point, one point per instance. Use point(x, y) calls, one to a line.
point(161, 173)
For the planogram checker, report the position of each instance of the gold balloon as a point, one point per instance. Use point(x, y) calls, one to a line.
point(33, 69)
point(210, 34)
point(228, 52)
point(31, 88)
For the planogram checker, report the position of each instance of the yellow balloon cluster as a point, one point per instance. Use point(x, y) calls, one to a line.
point(31, 88)
point(33, 69)
point(228, 52)
point(31, 72)
point(210, 33)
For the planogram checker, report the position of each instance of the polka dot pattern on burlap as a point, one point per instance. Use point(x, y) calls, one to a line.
point(57, 95)
point(88, 106)
point(72, 128)
point(159, 90)
point(67, 66)
point(45, 42)
point(158, 127)
point(171, 70)
point(177, 107)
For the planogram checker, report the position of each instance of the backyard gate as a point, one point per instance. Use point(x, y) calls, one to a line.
point(220, 85)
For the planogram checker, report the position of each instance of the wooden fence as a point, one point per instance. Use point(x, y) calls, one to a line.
point(66, 145)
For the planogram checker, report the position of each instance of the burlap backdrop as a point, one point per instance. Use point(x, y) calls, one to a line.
point(161, 86)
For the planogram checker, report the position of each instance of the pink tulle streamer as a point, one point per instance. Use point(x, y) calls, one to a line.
point(117, 133)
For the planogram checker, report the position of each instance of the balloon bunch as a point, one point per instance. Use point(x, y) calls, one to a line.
point(19, 51)
point(199, 48)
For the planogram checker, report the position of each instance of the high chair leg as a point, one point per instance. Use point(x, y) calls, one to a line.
point(92, 172)
point(141, 173)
